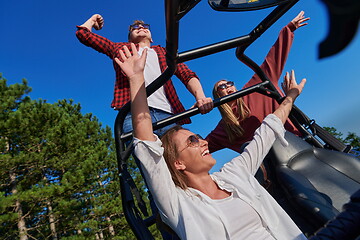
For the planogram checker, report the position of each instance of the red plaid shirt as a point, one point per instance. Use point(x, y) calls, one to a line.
point(122, 91)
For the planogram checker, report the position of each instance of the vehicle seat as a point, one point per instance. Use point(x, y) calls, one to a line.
point(317, 182)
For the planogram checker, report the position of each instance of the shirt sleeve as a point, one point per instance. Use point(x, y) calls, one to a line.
point(157, 176)
point(217, 138)
point(255, 152)
point(95, 41)
point(184, 73)
point(275, 60)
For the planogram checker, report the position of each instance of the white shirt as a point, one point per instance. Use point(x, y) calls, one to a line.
point(244, 221)
point(152, 71)
point(190, 213)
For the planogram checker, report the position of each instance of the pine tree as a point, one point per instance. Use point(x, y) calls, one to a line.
point(10, 99)
point(58, 175)
point(351, 139)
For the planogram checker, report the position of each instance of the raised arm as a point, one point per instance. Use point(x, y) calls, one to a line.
point(87, 37)
point(133, 66)
point(147, 148)
point(292, 90)
point(275, 60)
point(271, 128)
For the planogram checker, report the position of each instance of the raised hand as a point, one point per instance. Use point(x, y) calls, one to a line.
point(95, 21)
point(292, 91)
point(300, 20)
point(290, 86)
point(131, 64)
point(98, 21)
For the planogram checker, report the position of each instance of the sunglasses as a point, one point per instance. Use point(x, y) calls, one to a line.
point(225, 85)
point(139, 25)
point(193, 141)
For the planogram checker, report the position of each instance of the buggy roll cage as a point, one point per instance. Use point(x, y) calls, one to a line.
point(174, 11)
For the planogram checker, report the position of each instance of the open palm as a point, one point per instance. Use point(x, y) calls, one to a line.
point(131, 63)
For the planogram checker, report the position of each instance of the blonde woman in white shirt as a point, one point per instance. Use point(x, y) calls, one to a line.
point(229, 204)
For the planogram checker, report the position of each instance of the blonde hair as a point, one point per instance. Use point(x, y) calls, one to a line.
point(232, 123)
point(171, 154)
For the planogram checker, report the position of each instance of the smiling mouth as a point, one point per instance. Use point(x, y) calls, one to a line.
point(206, 152)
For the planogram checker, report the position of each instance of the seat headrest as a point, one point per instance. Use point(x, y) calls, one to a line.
point(296, 145)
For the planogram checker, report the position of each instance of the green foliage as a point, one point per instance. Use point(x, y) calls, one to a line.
point(351, 139)
point(57, 165)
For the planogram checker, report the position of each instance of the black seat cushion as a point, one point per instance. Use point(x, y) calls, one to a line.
point(317, 181)
point(304, 196)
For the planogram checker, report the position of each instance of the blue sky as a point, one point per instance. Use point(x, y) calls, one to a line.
point(38, 43)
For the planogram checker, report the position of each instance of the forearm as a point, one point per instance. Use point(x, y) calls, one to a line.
point(255, 152)
point(292, 91)
point(283, 111)
point(204, 104)
point(275, 59)
point(88, 24)
point(141, 118)
point(195, 88)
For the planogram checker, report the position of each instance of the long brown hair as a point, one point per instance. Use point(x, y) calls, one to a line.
point(232, 123)
point(171, 154)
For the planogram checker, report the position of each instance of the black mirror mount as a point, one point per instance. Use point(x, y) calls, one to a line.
point(243, 5)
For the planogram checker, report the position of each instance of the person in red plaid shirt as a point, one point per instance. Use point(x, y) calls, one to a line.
point(165, 101)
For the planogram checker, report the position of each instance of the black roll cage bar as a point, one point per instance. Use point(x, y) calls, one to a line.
point(173, 57)
point(174, 11)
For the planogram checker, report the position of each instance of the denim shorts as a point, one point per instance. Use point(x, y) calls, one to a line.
point(156, 115)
